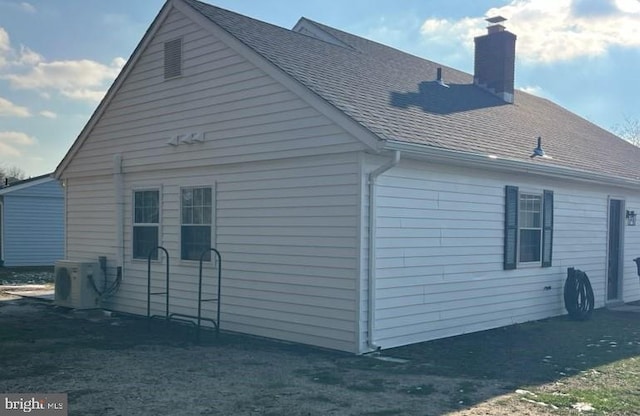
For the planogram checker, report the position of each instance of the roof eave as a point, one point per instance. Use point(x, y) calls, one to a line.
point(493, 162)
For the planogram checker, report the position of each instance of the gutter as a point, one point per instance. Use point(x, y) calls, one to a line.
point(510, 165)
point(371, 276)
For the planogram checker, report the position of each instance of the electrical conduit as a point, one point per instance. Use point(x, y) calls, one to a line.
point(118, 184)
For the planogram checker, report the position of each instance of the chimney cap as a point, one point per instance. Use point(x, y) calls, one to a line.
point(496, 19)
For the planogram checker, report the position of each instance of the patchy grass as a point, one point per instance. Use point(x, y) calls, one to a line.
point(323, 376)
point(419, 390)
point(375, 385)
point(561, 365)
point(531, 353)
point(609, 389)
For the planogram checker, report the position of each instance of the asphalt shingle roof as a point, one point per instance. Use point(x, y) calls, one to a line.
point(393, 94)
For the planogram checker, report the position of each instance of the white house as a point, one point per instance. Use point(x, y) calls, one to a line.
point(361, 197)
point(31, 222)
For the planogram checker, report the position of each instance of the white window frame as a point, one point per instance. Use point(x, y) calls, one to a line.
point(135, 224)
point(212, 225)
point(540, 229)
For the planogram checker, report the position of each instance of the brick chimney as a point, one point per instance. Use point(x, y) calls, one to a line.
point(494, 67)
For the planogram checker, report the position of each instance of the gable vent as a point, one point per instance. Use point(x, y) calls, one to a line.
point(173, 58)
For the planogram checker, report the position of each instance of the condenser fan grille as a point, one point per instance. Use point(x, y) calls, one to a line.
point(63, 283)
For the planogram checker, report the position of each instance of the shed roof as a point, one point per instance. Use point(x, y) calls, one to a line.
point(25, 183)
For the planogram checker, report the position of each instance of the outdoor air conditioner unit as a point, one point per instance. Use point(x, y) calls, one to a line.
point(73, 287)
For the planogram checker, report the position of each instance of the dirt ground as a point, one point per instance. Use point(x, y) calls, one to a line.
point(117, 365)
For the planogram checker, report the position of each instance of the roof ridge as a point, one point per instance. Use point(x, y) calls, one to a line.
point(202, 7)
point(346, 37)
point(333, 39)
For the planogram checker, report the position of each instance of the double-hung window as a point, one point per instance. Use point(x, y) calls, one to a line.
point(196, 212)
point(528, 236)
point(146, 223)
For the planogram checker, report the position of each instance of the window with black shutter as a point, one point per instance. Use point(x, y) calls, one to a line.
point(528, 229)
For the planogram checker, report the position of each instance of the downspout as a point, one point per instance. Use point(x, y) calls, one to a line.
point(371, 319)
point(118, 184)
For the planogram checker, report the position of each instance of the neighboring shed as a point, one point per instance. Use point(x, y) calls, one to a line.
point(361, 197)
point(32, 222)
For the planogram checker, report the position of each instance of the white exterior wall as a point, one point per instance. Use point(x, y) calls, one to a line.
point(291, 212)
point(243, 113)
point(286, 192)
point(439, 254)
point(287, 231)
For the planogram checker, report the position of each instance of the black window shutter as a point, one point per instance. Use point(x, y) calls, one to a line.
point(547, 229)
point(510, 227)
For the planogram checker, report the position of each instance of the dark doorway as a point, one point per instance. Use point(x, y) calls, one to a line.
point(615, 247)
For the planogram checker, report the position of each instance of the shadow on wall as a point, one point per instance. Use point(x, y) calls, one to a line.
point(432, 97)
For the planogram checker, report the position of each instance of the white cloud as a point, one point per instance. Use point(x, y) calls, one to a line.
point(78, 79)
point(83, 79)
point(5, 47)
point(28, 57)
point(84, 94)
point(48, 114)
point(532, 89)
point(28, 7)
point(9, 109)
point(5, 44)
point(552, 30)
point(628, 6)
point(446, 36)
point(11, 141)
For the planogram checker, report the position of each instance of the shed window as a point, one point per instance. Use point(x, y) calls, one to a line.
point(146, 223)
point(528, 228)
point(196, 207)
point(173, 58)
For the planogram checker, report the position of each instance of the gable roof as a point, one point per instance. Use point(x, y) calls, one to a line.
point(25, 183)
point(394, 95)
point(387, 95)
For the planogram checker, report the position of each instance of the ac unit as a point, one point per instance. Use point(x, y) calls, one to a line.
point(73, 287)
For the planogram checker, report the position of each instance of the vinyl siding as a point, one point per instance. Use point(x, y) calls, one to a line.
point(287, 231)
point(243, 114)
point(91, 219)
point(285, 179)
point(440, 247)
point(631, 282)
point(33, 225)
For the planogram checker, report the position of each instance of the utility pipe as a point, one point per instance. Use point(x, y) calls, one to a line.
point(118, 184)
point(371, 320)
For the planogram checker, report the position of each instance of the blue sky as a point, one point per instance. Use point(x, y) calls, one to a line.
point(58, 57)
